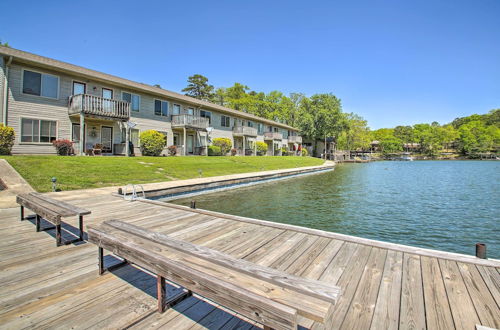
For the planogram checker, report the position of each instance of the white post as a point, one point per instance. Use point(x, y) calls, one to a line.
point(82, 133)
point(206, 144)
point(255, 147)
point(273, 147)
point(127, 140)
point(244, 145)
point(184, 147)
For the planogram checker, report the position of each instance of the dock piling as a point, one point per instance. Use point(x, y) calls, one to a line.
point(193, 204)
point(481, 250)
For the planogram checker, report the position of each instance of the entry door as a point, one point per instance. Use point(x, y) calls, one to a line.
point(190, 144)
point(107, 139)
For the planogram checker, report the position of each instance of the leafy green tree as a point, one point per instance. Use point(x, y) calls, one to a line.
point(5, 44)
point(404, 133)
point(199, 88)
point(391, 145)
point(356, 134)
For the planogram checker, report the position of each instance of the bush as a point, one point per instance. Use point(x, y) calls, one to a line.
point(152, 143)
point(304, 152)
point(172, 150)
point(214, 151)
point(6, 139)
point(63, 147)
point(261, 148)
point(284, 151)
point(224, 144)
point(233, 152)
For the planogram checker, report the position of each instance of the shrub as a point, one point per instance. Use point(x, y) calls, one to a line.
point(214, 151)
point(261, 148)
point(6, 139)
point(63, 147)
point(233, 152)
point(152, 143)
point(284, 151)
point(304, 152)
point(172, 150)
point(224, 144)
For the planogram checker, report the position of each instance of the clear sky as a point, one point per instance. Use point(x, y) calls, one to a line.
point(393, 62)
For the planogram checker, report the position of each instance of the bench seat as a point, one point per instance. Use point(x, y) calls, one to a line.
point(268, 296)
point(51, 210)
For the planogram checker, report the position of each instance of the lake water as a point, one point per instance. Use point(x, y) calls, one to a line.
point(444, 205)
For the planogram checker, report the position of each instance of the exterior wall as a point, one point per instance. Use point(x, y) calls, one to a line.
point(38, 107)
point(2, 82)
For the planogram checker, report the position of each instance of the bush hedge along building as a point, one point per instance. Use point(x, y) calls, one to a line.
point(44, 99)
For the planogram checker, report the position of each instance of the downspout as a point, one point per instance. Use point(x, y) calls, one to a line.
point(5, 93)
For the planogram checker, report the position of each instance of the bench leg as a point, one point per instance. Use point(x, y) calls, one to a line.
point(58, 235)
point(267, 328)
point(160, 289)
point(101, 261)
point(37, 223)
point(22, 213)
point(81, 227)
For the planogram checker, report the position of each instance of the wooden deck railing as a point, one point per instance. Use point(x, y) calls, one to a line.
point(189, 121)
point(273, 136)
point(98, 106)
point(244, 130)
point(294, 139)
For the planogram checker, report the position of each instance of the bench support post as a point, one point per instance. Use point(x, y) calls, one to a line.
point(22, 213)
point(80, 222)
point(37, 223)
point(267, 328)
point(58, 235)
point(101, 261)
point(160, 289)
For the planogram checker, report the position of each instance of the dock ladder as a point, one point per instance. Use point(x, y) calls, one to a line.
point(133, 196)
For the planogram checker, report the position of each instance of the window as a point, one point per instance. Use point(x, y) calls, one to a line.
point(206, 114)
point(260, 128)
point(79, 88)
point(107, 93)
point(124, 135)
point(35, 130)
point(225, 121)
point(190, 111)
point(161, 108)
point(176, 139)
point(75, 134)
point(40, 84)
point(135, 100)
point(176, 109)
point(250, 124)
point(134, 137)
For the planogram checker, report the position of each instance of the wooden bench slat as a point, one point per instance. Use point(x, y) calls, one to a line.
point(49, 206)
point(247, 303)
point(74, 210)
point(44, 212)
point(309, 306)
point(314, 288)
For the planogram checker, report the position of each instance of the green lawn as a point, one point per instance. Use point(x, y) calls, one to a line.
point(93, 172)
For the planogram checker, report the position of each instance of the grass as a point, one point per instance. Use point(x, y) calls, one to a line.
point(94, 172)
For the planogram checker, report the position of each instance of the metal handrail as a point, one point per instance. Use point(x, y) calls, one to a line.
point(133, 196)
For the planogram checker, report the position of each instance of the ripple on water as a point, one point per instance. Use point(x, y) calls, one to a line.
point(445, 205)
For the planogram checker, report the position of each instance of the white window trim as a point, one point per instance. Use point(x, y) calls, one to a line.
point(45, 73)
point(73, 81)
point(36, 143)
point(131, 110)
point(161, 110)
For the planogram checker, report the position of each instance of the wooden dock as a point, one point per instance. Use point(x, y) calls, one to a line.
point(385, 286)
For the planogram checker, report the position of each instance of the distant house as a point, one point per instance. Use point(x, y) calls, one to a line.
point(44, 99)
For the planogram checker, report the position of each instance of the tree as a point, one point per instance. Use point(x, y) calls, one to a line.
point(5, 44)
point(199, 88)
point(404, 133)
point(391, 145)
point(356, 135)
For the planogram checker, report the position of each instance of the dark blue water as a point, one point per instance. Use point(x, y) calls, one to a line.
point(444, 205)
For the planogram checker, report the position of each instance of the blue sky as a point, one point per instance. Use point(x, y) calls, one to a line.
point(392, 62)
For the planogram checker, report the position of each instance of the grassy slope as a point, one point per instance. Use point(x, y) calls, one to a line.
point(93, 172)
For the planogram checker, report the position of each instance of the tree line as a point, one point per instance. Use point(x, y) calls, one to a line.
point(321, 116)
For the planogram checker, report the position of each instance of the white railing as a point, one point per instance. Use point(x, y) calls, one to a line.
point(294, 139)
point(99, 106)
point(273, 136)
point(189, 121)
point(244, 130)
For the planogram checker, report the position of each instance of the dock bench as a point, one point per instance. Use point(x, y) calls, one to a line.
point(51, 210)
point(273, 298)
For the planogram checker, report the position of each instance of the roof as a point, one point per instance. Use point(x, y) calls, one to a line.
point(33, 59)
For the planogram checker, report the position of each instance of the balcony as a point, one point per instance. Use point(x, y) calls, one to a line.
point(294, 139)
point(244, 131)
point(273, 136)
point(96, 106)
point(189, 121)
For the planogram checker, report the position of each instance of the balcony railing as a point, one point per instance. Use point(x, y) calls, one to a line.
point(294, 139)
point(189, 121)
point(244, 131)
point(99, 106)
point(273, 136)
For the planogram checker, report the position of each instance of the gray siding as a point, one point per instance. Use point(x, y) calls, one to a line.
point(2, 82)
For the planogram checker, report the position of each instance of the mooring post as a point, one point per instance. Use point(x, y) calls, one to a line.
point(481, 250)
point(193, 204)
